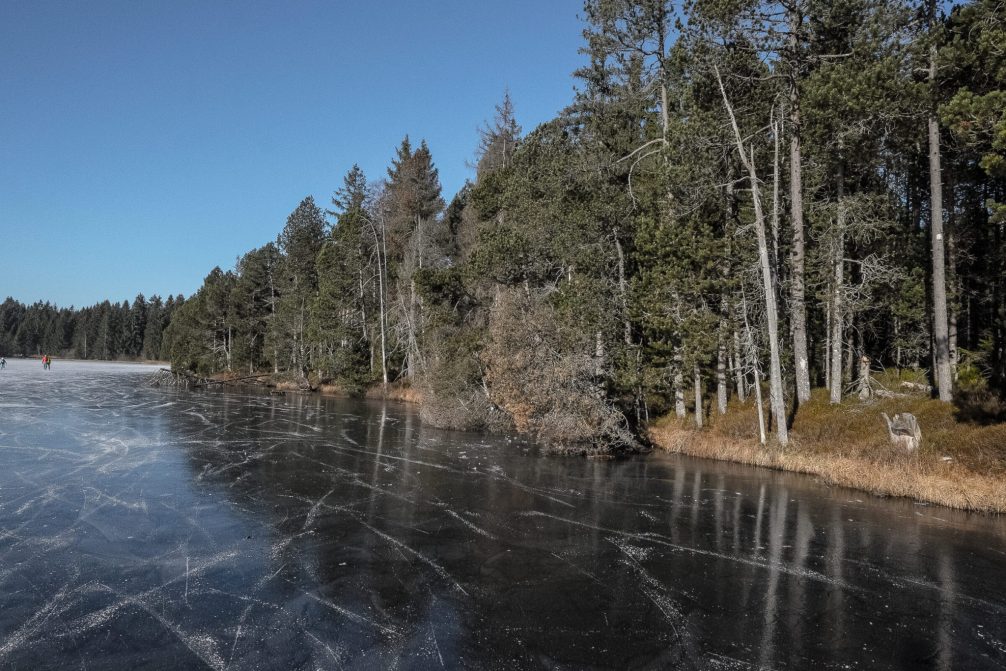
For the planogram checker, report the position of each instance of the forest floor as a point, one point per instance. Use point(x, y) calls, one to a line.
point(959, 464)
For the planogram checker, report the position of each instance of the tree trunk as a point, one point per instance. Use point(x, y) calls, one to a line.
point(412, 344)
point(623, 292)
point(850, 351)
point(952, 325)
point(761, 408)
point(838, 282)
point(363, 306)
point(954, 280)
point(771, 313)
point(721, 376)
point(827, 344)
point(768, 282)
point(865, 390)
point(941, 335)
point(776, 132)
point(679, 387)
point(798, 305)
point(697, 379)
point(752, 357)
point(382, 265)
point(272, 322)
point(300, 352)
point(739, 373)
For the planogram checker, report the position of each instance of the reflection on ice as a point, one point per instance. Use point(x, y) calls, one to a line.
point(207, 529)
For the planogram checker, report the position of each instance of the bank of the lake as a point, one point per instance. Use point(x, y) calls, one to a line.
point(284, 382)
point(56, 358)
point(959, 465)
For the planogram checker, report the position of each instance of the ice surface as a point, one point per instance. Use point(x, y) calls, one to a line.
point(159, 528)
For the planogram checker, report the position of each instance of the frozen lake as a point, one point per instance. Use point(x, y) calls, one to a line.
point(157, 528)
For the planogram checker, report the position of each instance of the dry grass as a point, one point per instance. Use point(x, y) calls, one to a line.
point(396, 391)
point(333, 390)
point(847, 445)
point(291, 385)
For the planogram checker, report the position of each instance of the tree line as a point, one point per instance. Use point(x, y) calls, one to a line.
point(105, 331)
point(740, 193)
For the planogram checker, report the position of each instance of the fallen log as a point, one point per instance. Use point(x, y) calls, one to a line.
point(883, 393)
point(208, 381)
point(917, 386)
point(160, 378)
point(190, 379)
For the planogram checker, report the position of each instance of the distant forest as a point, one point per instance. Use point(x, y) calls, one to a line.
point(106, 331)
point(739, 191)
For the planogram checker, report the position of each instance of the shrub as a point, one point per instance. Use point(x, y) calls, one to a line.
point(973, 400)
point(542, 375)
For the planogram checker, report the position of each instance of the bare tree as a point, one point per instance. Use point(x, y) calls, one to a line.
point(376, 224)
point(768, 279)
point(751, 354)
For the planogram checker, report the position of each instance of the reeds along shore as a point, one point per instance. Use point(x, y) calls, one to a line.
point(960, 465)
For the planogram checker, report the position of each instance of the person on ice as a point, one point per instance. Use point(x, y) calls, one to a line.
point(3, 363)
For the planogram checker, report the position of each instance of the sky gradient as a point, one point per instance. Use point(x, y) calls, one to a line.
point(144, 143)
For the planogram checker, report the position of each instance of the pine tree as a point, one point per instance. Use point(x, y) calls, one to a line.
point(297, 284)
point(498, 140)
point(254, 303)
point(417, 237)
point(133, 347)
point(339, 322)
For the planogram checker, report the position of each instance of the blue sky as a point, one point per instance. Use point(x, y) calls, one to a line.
point(143, 143)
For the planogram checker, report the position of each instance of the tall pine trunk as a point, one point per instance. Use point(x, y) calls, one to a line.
point(623, 291)
point(721, 374)
point(739, 372)
point(752, 357)
point(954, 280)
point(838, 280)
point(798, 305)
point(941, 334)
point(697, 380)
point(827, 346)
point(679, 387)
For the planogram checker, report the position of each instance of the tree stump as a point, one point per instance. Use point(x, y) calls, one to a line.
point(865, 389)
point(904, 430)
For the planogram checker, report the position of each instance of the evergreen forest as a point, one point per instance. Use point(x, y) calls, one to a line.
point(106, 331)
point(743, 201)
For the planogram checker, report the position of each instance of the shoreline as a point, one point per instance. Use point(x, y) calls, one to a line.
point(66, 359)
point(930, 475)
point(842, 445)
point(282, 383)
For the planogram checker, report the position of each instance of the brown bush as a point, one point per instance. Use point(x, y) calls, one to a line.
point(980, 406)
point(543, 377)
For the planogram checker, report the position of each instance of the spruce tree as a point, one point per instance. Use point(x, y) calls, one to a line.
point(297, 284)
